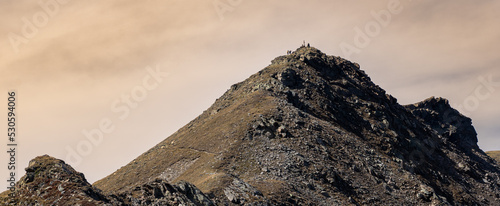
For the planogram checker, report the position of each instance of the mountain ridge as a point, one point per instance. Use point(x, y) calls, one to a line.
point(313, 129)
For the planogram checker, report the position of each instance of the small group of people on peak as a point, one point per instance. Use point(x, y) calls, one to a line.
point(304, 44)
point(288, 52)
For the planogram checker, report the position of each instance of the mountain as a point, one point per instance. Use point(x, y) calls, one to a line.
point(310, 129)
point(494, 154)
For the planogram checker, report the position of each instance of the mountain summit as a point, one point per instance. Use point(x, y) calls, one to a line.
point(313, 129)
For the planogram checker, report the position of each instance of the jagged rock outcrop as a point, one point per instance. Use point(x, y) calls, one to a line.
point(313, 129)
point(448, 122)
point(159, 192)
point(50, 181)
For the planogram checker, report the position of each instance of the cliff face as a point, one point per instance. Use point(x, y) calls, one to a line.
point(313, 129)
point(446, 121)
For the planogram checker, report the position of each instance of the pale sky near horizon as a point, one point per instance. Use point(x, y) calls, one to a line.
point(74, 63)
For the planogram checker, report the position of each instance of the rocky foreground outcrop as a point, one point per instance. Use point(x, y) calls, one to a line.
point(50, 181)
point(309, 129)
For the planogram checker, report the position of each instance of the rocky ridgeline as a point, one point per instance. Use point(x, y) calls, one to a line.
point(309, 129)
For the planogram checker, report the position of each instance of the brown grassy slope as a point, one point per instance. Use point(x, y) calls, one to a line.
point(495, 155)
point(203, 145)
point(4, 196)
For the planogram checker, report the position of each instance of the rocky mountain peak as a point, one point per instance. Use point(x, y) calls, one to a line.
point(329, 67)
point(314, 129)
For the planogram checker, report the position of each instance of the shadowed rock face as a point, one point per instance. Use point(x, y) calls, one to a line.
point(312, 129)
point(448, 122)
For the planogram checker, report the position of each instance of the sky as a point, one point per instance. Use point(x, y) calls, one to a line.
point(99, 83)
